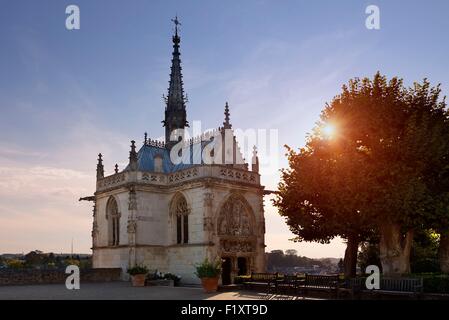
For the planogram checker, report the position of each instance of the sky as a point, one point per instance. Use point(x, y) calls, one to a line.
point(66, 95)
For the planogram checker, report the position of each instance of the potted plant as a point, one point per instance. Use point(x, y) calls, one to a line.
point(157, 278)
point(138, 274)
point(209, 273)
point(175, 278)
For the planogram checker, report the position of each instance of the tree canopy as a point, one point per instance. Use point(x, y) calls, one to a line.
point(382, 169)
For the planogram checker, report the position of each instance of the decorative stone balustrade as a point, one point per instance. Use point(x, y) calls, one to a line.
point(166, 179)
point(112, 181)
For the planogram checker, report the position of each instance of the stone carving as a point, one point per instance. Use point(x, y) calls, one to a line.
point(132, 226)
point(208, 224)
point(208, 199)
point(234, 219)
point(111, 180)
point(146, 177)
point(179, 176)
point(132, 202)
point(154, 143)
point(94, 225)
point(237, 245)
point(180, 206)
point(248, 177)
point(94, 233)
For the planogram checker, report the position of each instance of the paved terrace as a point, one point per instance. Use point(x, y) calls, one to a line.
point(122, 291)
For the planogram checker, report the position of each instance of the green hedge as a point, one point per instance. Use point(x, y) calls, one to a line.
point(434, 282)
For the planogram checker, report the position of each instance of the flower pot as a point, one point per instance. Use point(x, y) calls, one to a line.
point(210, 284)
point(138, 280)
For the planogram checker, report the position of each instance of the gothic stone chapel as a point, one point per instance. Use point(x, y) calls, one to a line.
point(170, 216)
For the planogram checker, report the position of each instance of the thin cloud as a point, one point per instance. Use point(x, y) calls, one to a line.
point(14, 152)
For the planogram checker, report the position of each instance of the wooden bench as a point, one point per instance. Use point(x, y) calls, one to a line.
point(411, 287)
point(328, 283)
point(400, 286)
point(353, 287)
point(289, 283)
point(266, 280)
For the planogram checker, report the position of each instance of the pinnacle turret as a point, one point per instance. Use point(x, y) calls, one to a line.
point(100, 167)
point(133, 157)
point(226, 123)
point(255, 161)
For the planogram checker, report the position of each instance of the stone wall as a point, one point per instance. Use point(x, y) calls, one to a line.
point(29, 277)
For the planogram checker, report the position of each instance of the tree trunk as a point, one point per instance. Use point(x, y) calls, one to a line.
point(443, 251)
point(395, 249)
point(350, 261)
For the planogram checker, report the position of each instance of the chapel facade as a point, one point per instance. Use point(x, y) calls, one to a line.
point(171, 214)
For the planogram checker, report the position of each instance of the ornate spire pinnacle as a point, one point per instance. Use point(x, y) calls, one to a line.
point(133, 146)
point(100, 167)
point(116, 168)
point(133, 156)
point(255, 161)
point(175, 110)
point(145, 140)
point(226, 123)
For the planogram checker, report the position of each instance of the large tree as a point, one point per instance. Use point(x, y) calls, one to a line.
point(319, 207)
point(377, 173)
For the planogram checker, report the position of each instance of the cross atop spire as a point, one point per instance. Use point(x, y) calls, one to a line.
point(176, 22)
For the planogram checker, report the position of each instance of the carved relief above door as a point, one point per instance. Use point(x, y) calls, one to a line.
point(235, 226)
point(234, 218)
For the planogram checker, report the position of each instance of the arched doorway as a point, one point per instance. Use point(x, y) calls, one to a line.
point(235, 229)
point(242, 266)
point(226, 269)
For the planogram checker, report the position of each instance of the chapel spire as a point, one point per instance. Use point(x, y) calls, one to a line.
point(175, 110)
